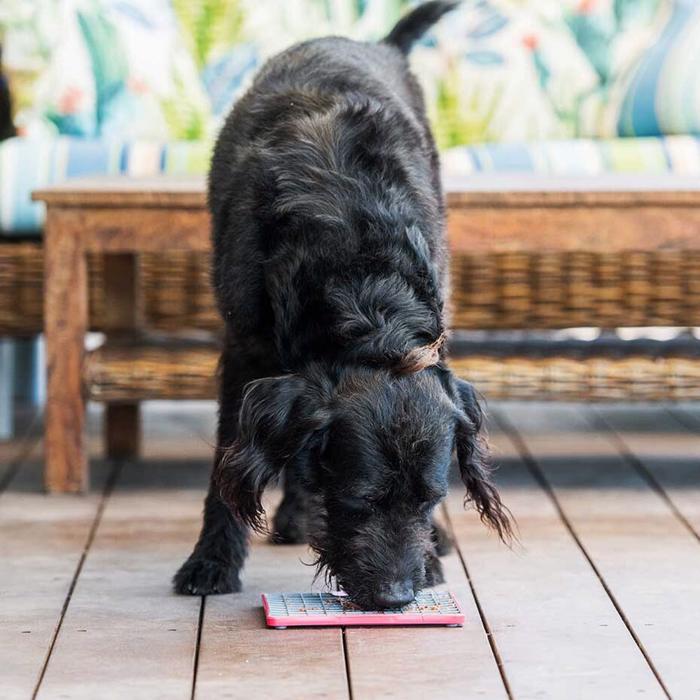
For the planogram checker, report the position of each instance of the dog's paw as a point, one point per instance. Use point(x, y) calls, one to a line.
point(289, 526)
point(433, 572)
point(202, 576)
point(441, 540)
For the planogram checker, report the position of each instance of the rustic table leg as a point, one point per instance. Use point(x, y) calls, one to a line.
point(122, 428)
point(65, 325)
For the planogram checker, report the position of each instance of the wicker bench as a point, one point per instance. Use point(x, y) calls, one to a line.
point(499, 291)
point(526, 255)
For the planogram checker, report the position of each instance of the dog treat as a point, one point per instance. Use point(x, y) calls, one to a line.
point(314, 609)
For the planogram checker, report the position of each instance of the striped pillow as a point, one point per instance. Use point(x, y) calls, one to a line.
point(27, 164)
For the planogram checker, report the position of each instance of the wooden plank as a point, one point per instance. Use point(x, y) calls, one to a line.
point(446, 655)
point(122, 428)
point(502, 189)
point(688, 412)
point(190, 423)
point(485, 214)
point(42, 540)
point(411, 663)
point(482, 229)
point(122, 313)
point(177, 432)
point(65, 325)
point(163, 191)
point(122, 230)
point(667, 451)
point(199, 417)
point(17, 450)
point(557, 632)
point(125, 633)
point(240, 658)
point(118, 229)
point(124, 372)
point(647, 558)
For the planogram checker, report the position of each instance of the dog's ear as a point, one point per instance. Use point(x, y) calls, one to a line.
point(473, 460)
point(279, 418)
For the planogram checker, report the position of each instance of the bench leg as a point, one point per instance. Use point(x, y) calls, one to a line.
point(65, 325)
point(123, 430)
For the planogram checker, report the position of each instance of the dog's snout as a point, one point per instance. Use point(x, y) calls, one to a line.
point(395, 595)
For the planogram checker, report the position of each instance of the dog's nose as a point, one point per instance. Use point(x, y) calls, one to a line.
point(395, 595)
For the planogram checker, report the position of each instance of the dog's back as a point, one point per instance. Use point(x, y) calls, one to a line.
point(327, 208)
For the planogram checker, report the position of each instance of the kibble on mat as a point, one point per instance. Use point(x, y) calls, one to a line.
point(315, 609)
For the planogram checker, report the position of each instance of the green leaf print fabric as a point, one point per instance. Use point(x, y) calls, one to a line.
point(492, 71)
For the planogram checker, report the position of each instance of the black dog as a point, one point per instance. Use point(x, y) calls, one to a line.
point(329, 270)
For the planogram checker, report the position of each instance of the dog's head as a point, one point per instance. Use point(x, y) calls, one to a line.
point(375, 448)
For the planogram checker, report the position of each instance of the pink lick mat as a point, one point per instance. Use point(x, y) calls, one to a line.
point(317, 609)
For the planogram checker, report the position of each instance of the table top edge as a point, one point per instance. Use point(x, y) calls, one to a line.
point(517, 190)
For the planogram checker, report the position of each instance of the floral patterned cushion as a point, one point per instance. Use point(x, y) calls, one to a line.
point(493, 71)
point(102, 69)
point(504, 70)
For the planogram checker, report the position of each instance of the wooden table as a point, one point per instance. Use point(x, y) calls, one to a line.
point(124, 217)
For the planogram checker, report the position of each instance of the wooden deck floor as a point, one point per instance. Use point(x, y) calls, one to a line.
point(601, 600)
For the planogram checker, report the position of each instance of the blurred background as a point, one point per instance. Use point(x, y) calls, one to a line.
point(161, 75)
point(140, 87)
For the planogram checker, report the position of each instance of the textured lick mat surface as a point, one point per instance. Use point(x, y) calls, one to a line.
point(313, 609)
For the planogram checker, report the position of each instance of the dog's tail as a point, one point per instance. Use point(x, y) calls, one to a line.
point(411, 28)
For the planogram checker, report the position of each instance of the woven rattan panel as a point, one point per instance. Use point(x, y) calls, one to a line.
point(160, 370)
point(21, 288)
point(169, 371)
point(565, 290)
point(634, 378)
point(175, 287)
point(510, 290)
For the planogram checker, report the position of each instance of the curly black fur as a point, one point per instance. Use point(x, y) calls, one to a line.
point(329, 269)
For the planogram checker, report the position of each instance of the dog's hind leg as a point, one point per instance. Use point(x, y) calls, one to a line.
point(433, 570)
point(291, 519)
point(441, 540)
point(442, 544)
point(215, 564)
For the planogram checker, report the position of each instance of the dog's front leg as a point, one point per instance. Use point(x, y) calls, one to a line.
point(215, 564)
